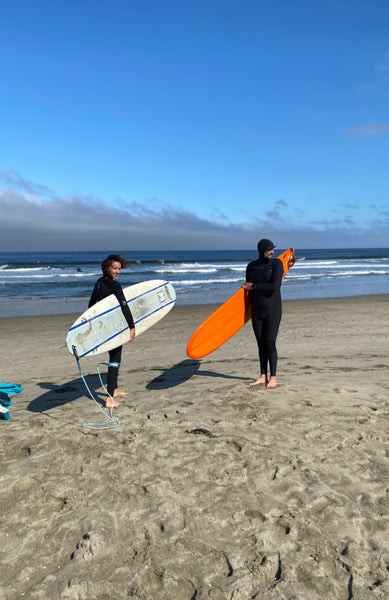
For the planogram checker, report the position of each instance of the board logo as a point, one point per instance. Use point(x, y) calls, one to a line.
point(161, 296)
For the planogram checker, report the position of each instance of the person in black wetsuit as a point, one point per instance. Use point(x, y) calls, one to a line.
point(105, 286)
point(263, 280)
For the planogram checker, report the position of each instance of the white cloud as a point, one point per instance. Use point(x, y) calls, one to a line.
point(15, 180)
point(383, 65)
point(281, 203)
point(368, 129)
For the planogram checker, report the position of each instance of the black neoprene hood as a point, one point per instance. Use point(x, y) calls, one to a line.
point(264, 245)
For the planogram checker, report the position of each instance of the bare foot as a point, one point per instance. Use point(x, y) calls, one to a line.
point(272, 383)
point(110, 402)
point(118, 392)
point(261, 379)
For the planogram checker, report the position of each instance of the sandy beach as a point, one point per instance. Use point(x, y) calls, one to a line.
point(209, 489)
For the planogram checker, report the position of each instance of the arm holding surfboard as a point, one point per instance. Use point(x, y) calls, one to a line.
point(270, 286)
point(104, 287)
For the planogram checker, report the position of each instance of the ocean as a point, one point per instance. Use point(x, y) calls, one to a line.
point(40, 283)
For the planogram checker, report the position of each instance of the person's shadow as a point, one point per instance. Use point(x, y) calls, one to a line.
point(182, 372)
point(58, 395)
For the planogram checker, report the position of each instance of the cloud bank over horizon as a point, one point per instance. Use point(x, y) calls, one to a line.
point(33, 217)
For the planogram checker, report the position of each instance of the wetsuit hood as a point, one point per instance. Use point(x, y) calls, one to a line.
point(263, 246)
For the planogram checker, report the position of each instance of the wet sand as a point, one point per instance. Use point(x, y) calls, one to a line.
point(209, 488)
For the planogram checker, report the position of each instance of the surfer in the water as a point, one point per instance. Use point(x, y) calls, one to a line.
point(105, 286)
point(263, 280)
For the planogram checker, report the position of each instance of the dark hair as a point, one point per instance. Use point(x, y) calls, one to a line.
point(107, 262)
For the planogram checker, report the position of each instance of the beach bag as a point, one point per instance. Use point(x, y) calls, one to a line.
point(5, 400)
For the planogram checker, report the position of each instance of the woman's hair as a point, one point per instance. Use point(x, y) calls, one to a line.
point(107, 262)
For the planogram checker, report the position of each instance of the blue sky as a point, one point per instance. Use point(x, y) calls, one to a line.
point(193, 124)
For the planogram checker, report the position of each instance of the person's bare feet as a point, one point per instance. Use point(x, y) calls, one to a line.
point(110, 402)
point(261, 379)
point(272, 383)
point(118, 392)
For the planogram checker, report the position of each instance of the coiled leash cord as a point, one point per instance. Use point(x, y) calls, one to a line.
point(113, 421)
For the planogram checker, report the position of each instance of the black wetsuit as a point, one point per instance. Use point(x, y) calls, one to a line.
point(266, 308)
point(105, 286)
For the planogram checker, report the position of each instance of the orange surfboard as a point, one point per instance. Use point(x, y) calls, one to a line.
point(222, 324)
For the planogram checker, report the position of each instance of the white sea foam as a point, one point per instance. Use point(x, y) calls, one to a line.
point(186, 270)
point(51, 275)
point(206, 282)
point(198, 268)
point(202, 275)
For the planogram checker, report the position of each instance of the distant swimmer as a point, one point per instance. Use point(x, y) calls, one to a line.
point(79, 270)
point(263, 280)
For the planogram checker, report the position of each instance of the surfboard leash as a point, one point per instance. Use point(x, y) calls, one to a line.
point(113, 421)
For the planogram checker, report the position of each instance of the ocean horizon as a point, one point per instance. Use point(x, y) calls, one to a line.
point(44, 283)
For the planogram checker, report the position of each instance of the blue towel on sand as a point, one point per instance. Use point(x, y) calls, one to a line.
point(11, 388)
point(5, 400)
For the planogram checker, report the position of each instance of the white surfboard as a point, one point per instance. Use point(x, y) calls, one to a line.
point(103, 326)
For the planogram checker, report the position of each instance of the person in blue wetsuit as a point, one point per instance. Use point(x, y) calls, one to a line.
point(263, 280)
point(105, 286)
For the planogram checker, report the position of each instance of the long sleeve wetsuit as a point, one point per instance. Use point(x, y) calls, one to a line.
point(105, 286)
point(266, 308)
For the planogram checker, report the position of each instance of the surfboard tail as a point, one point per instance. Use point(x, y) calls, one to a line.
point(221, 325)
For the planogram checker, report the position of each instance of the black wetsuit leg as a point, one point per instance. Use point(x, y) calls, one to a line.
point(115, 356)
point(265, 331)
point(257, 324)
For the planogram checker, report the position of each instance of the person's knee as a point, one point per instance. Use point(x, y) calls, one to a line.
point(271, 346)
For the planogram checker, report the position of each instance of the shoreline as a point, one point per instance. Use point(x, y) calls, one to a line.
point(208, 488)
point(210, 306)
point(348, 288)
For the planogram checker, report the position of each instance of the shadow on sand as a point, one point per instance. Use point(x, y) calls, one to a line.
point(58, 395)
point(75, 389)
point(182, 372)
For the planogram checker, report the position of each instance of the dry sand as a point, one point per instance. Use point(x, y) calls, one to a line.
point(208, 489)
